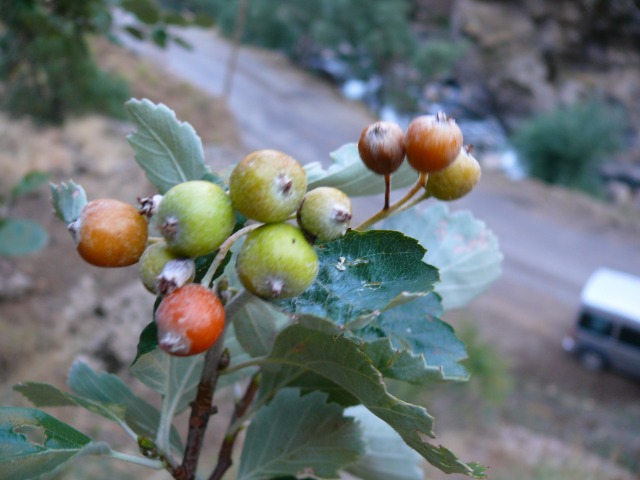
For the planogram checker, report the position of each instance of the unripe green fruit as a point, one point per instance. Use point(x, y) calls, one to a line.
point(457, 179)
point(153, 269)
point(195, 218)
point(267, 186)
point(325, 214)
point(276, 261)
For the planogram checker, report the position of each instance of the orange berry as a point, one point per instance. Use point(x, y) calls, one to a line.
point(432, 142)
point(189, 320)
point(110, 233)
point(381, 147)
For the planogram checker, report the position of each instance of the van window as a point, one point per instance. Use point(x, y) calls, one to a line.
point(596, 324)
point(630, 336)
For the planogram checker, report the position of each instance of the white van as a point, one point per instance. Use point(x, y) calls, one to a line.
point(607, 330)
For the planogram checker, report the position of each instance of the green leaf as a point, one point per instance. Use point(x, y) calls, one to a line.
point(68, 201)
point(112, 395)
point(144, 10)
point(148, 340)
point(174, 18)
point(415, 346)
point(31, 182)
point(300, 348)
point(21, 237)
point(296, 434)
point(238, 355)
point(257, 324)
point(386, 457)
point(34, 443)
point(363, 273)
point(175, 378)
point(169, 151)
point(465, 251)
point(350, 175)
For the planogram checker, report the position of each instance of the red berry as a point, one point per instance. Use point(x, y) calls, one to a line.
point(432, 142)
point(382, 147)
point(189, 320)
point(110, 233)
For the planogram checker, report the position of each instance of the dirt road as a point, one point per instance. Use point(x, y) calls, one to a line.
point(552, 240)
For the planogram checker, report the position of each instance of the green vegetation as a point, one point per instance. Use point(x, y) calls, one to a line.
point(347, 39)
point(47, 69)
point(567, 145)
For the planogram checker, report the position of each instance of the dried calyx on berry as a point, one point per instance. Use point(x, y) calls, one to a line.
point(382, 147)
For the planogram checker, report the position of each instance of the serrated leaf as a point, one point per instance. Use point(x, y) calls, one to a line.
point(299, 348)
point(416, 346)
point(19, 237)
point(35, 443)
point(256, 325)
point(169, 151)
point(237, 355)
point(68, 201)
point(386, 455)
point(31, 182)
point(112, 395)
point(350, 175)
point(465, 251)
point(175, 378)
point(296, 434)
point(363, 273)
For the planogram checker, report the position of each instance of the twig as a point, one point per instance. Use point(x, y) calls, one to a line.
point(385, 212)
point(226, 449)
point(201, 407)
point(222, 253)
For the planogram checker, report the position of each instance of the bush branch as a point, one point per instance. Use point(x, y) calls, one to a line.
point(226, 449)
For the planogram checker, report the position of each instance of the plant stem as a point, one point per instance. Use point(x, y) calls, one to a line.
point(202, 407)
point(222, 253)
point(387, 191)
point(145, 462)
point(226, 449)
point(385, 212)
point(254, 362)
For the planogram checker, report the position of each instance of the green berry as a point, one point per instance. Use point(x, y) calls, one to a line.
point(457, 179)
point(325, 214)
point(267, 186)
point(195, 218)
point(276, 261)
point(162, 271)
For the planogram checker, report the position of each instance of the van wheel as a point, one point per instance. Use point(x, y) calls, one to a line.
point(592, 360)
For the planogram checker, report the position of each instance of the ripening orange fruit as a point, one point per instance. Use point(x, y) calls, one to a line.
point(432, 142)
point(381, 147)
point(189, 320)
point(110, 233)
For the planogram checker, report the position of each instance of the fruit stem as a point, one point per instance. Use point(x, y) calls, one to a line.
point(414, 202)
point(222, 253)
point(384, 213)
point(226, 449)
point(387, 190)
point(146, 462)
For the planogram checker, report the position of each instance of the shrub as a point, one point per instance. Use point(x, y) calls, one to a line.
point(567, 145)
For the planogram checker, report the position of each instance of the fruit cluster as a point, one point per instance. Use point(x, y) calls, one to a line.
point(277, 259)
point(433, 146)
point(196, 218)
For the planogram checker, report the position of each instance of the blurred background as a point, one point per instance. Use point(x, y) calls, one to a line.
point(548, 92)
